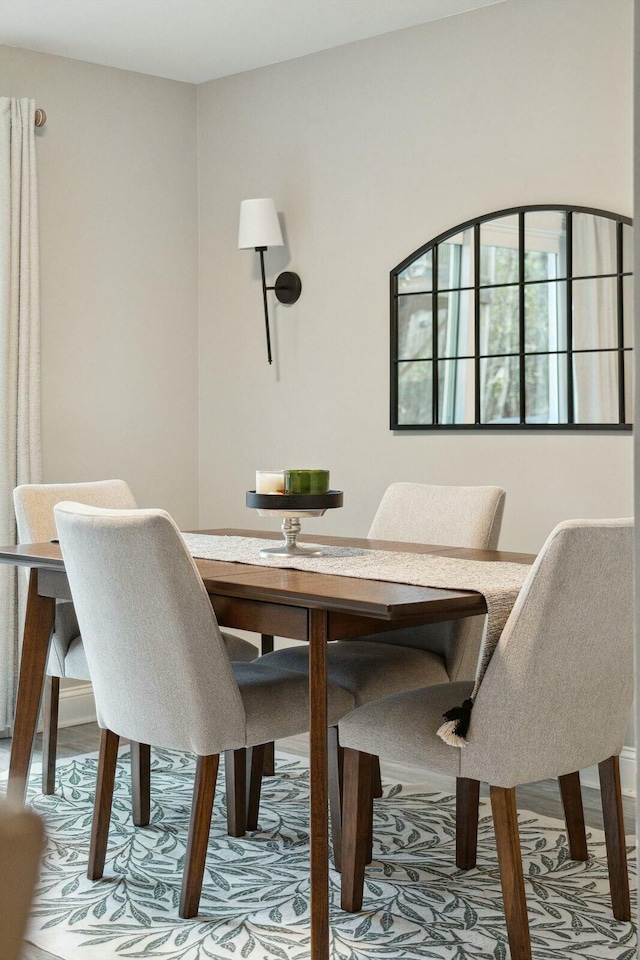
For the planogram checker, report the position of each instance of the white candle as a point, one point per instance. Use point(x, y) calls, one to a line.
point(269, 481)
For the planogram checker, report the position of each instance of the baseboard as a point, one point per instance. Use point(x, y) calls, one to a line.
point(589, 777)
point(76, 705)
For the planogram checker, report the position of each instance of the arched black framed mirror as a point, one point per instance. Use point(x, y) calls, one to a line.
point(520, 319)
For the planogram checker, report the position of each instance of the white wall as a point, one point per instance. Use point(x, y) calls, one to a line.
point(370, 150)
point(118, 226)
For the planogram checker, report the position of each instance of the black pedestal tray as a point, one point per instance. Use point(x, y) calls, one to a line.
point(291, 508)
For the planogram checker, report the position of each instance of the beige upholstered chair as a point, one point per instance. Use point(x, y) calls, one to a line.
point(34, 505)
point(390, 662)
point(21, 836)
point(160, 669)
point(554, 700)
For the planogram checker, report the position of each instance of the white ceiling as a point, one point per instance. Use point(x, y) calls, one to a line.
point(199, 40)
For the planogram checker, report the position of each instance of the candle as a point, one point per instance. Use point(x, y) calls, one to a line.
point(306, 482)
point(269, 481)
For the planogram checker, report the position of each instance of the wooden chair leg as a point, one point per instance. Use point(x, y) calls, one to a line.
point(235, 771)
point(574, 815)
point(336, 766)
point(254, 768)
point(356, 826)
point(203, 792)
point(609, 771)
point(140, 783)
point(467, 808)
point(505, 821)
point(266, 646)
point(269, 760)
point(369, 849)
point(107, 759)
point(376, 778)
point(50, 733)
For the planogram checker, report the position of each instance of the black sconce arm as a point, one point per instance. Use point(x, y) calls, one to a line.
point(261, 251)
point(287, 288)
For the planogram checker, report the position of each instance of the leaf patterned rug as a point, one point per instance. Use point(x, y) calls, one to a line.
point(255, 903)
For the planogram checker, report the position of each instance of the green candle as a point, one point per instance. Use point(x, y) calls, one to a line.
point(306, 482)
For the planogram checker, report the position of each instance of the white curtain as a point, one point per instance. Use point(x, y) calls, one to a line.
point(20, 458)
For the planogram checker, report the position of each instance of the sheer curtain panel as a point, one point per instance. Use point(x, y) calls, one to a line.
point(20, 459)
point(595, 322)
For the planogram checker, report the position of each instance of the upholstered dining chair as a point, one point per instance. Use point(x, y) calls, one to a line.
point(555, 699)
point(390, 662)
point(160, 669)
point(21, 842)
point(34, 505)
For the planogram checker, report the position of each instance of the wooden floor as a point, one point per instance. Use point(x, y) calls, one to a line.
point(542, 798)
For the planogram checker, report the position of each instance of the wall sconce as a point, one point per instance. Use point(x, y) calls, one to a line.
point(259, 229)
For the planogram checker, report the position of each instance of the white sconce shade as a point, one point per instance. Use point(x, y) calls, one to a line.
point(259, 225)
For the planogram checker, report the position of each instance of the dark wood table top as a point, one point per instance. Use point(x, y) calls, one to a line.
point(373, 598)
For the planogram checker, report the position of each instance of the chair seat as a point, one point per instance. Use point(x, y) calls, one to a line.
point(403, 727)
point(276, 701)
point(368, 669)
point(239, 649)
point(75, 666)
point(75, 663)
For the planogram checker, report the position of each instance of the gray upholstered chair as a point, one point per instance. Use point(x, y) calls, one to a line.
point(390, 662)
point(21, 838)
point(554, 700)
point(34, 505)
point(160, 669)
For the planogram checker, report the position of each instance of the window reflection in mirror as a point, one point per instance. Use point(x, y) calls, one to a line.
point(415, 327)
point(594, 245)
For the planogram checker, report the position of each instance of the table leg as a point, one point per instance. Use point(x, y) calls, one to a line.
point(35, 650)
point(266, 646)
point(318, 630)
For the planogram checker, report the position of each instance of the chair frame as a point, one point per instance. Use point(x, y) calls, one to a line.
point(140, 753)
point(357, 825)
point(242, 811)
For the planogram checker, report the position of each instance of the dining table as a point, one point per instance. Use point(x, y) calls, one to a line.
point(272, 601)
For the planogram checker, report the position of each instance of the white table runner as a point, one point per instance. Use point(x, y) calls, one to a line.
point(498, 582)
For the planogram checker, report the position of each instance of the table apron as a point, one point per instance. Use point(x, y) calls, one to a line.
point(258, 616)
point(345, 626)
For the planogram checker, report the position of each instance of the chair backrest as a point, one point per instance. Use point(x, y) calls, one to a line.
point(557, 694)
point(452, 516)
point(34, 503)
point(158, 663)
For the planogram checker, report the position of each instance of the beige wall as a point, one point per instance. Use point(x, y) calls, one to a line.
point(118, 224)
point(370, 150)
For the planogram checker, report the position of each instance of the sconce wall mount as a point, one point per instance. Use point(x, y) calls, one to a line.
point(259, 230)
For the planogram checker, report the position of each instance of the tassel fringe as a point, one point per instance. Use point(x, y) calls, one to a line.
point(447, 732)
point(454, 731)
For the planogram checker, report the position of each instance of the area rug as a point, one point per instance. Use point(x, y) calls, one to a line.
point(255, 902)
